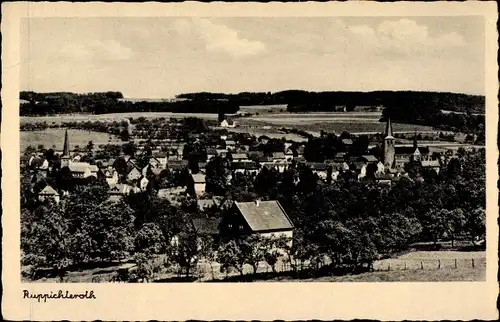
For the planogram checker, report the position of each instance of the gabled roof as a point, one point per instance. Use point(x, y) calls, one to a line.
point(244, 165)
point(299, 159)
point(279, 155)
point(198, 178)
point(264, 215)
point(431, 164)
point(317, 166)
point(347, 141)
point(162, 193)
point(369, 158)
point(119, 188)
point(409, 150)
point(79, 166)
point(49, 191)
point(239, 156)
point(134, 170)
point(255, 154)
point(114, 198)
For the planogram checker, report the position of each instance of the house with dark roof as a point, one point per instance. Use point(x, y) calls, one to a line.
point(48, 193)
point(266, 218)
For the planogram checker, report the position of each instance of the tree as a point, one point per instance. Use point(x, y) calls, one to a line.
point(272, 251)
point(149, 240)
point(103, 232)
point(90, 146)
point(230, 255)
point(475, 224)
point(207, 251)
point(252, 250)
point(125, 135)
point(217, 176)
point(184, 250)
point(129, 148)
point(46, 237)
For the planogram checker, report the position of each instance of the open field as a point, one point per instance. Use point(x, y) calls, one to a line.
point(434, 260)
point(112, 117)
point(430, 275)
point(55, 137)
point(262, 108)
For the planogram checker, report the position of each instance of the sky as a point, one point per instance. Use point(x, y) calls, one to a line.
point(163, 57)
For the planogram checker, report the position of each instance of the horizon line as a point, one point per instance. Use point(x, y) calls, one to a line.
point(272, 92)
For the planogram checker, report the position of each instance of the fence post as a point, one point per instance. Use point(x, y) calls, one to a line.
point(439, 263)
point(389, 267)
point(455, 263)
point(473, 262)
point(405, 266)
point(421, 265)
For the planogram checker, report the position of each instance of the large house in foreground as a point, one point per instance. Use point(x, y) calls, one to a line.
point(266, 218)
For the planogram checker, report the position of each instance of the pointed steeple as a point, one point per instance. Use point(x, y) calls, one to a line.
point(388, 128)
point(415, 143)
point(66, 144)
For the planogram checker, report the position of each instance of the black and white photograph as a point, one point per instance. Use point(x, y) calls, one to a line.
point(252, 149)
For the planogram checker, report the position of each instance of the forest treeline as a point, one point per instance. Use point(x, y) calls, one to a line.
point(297, 101)
point(39, 104)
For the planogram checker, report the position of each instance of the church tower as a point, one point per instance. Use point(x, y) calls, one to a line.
point(416, 152)
point(389, 150)
point(65, 158)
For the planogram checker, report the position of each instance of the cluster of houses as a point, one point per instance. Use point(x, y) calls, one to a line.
point(266, 218)
point(239, 158)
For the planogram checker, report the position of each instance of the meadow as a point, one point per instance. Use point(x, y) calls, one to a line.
point(57, 119)
point(55, 137)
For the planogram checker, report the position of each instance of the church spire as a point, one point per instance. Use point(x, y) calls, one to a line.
point(66, 144)
point(389, 148)
point(388, 128)
point(415, 143)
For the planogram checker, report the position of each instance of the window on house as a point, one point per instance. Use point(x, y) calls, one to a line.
point(241, 227)
point(230, 226)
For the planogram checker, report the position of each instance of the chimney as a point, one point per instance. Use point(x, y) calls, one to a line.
point(257, 202)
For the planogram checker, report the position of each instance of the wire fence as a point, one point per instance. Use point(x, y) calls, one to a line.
point(413, 264)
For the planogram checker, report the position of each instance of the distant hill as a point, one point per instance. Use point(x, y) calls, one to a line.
point(35, 104)
point(305, 101)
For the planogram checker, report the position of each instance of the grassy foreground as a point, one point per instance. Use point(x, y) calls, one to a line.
point(435, 275)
